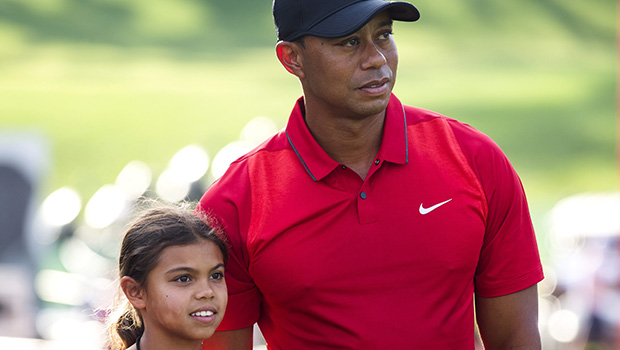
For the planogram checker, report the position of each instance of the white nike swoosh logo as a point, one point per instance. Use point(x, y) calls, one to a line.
point(425, 211)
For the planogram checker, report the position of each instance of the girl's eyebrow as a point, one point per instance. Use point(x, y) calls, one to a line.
point(191, 270)
point(181, 268)
point(220, 265)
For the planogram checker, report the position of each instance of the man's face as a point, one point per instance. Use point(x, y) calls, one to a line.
point(352, 76)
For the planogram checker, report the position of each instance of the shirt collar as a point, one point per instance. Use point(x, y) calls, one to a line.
point(319, 164)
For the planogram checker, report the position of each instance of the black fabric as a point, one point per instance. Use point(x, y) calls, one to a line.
point(333, 18)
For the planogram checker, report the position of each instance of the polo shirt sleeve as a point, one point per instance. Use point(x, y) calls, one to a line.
point(509, 259)
point(227, 203)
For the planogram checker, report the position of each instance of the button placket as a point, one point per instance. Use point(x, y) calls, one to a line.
point(366, 205)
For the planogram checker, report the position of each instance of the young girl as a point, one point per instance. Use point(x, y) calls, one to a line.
point(171, 269)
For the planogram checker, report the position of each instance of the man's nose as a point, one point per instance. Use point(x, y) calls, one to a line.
point(373, 56)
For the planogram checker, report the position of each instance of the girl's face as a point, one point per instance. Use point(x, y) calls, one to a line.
point(185, 296)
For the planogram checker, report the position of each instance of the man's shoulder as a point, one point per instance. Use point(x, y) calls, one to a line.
point(416, 115)
point(467, 136)
point(237, 171)
point(275, 143)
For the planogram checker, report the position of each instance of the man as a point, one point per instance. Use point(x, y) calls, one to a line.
point(368, 224)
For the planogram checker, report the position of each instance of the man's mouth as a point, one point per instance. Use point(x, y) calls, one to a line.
point(375, 84)
point(376, 87)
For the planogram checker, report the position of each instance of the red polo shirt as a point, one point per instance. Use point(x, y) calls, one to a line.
point(324, 259)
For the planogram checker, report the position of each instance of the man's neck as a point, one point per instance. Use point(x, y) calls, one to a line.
point(349, 141)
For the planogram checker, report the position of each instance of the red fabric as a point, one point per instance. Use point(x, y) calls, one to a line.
point(324, 259)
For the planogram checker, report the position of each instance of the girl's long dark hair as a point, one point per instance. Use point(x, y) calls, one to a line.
point(155, 228)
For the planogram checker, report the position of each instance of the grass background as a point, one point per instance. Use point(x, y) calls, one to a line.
point(107, 82)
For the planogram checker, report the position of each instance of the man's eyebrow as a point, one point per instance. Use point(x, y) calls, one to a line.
point(388, 22)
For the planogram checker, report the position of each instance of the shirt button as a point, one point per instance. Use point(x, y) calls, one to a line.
point(377, 161)
point(363, 195)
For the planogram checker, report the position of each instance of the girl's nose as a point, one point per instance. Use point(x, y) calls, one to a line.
point(204, 290)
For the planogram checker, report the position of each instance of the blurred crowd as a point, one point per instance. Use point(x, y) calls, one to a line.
point(580, 296)
point(58, 255)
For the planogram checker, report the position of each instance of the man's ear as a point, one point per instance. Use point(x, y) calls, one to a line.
point(134, 292)
point(288, 54)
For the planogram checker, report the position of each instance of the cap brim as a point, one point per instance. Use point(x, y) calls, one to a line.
point(350, 19)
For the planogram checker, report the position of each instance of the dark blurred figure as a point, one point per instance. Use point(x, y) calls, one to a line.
point(15, 194)
point(605, 315)
point(22, 158)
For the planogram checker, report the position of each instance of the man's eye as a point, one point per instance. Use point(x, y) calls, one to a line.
point(183, 279)
point(386, 35)
point(351, 42)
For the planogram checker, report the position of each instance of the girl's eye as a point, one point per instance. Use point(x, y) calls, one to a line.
point(183, 279)
point(217, 276)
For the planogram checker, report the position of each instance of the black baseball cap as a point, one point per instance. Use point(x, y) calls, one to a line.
point(333, 18)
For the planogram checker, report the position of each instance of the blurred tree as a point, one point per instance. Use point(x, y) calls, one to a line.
point(70, 20)
point(205, 24)
point(143, 23)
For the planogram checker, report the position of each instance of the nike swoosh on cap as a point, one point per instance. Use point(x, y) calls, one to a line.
point(425, 211)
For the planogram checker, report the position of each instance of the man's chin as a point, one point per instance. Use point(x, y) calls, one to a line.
point(377, 106)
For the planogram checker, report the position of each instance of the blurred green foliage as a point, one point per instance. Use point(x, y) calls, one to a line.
point(184, 26)
point(112, 81)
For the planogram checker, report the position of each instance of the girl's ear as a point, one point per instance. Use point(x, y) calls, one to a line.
point(134, 292)
point(288, 54)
